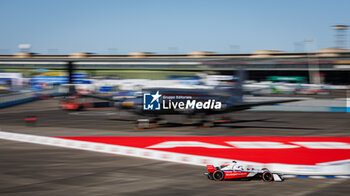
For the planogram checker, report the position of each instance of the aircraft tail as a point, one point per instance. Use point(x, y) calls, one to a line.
point(240, 76)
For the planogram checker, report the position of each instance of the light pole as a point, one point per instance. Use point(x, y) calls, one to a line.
point(340, 38)
point(313, 67)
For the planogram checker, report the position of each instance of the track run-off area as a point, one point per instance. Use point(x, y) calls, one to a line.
point(287, 155)
point(93, 155)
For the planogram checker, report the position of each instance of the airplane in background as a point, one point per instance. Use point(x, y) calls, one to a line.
point(179, 101)
point(152, 104)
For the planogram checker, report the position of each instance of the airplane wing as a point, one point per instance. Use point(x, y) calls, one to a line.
point(248, 105)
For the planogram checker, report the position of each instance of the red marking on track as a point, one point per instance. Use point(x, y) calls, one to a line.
point(290, 153)
point(164, 156)
point(205, 162)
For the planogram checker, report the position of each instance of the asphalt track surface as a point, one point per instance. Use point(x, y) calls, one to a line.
point(31, 169)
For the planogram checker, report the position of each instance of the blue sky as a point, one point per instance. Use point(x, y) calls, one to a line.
point(164, 26)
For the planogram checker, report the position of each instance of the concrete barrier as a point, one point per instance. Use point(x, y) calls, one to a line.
point(13, 99)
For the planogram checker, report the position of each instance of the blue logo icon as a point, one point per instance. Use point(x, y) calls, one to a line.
point(151, 101)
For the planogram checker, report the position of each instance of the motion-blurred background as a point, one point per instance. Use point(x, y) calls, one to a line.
point(79, 67)
point(292, 47)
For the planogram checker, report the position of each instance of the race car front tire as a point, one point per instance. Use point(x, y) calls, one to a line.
point(218, 175)
point(267, 176)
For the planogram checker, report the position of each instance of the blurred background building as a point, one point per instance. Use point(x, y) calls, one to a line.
point(332, 64)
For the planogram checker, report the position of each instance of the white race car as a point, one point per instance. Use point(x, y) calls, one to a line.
point(234, 171)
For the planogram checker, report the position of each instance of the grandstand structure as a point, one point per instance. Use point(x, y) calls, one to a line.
point(332, 64)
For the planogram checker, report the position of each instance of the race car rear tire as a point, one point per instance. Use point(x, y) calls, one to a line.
point(218, 175)
point(80, 108)
point(267, 176)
